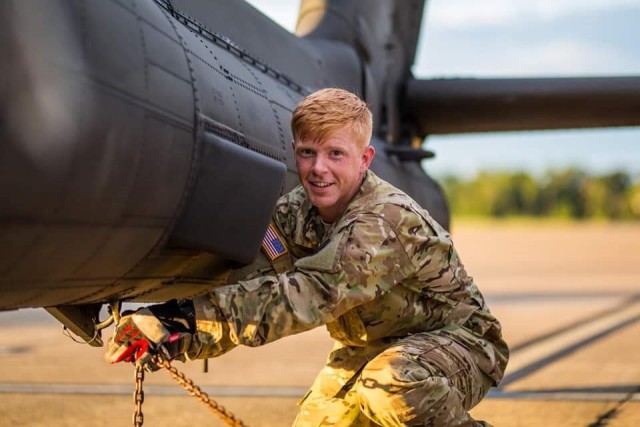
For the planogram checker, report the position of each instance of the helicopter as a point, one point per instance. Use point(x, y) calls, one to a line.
point(145, 142)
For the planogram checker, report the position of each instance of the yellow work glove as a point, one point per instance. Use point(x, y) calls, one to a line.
point(165, 329)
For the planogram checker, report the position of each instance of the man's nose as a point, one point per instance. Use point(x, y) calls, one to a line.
point(319, 165)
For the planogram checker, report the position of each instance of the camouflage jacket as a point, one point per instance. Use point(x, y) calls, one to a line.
point(385, 269)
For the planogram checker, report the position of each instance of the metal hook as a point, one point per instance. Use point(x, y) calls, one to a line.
point(114, 315)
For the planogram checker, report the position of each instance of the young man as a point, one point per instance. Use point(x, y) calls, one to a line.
point(415, 344)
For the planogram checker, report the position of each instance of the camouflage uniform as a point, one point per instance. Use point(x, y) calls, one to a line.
point(415, 341)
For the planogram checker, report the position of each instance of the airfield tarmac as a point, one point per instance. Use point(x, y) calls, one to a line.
point(568, 296)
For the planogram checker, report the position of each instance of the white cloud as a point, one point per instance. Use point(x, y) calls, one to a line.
point(561, 57)
point(558, 57)
point(502, 57)
point(583, 43)
point(551, 9)
point(465, 14)
point(284, 12)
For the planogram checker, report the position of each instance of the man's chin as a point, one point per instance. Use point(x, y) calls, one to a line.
point(322, 202)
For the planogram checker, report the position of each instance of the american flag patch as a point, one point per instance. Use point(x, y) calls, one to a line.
point(272, 245)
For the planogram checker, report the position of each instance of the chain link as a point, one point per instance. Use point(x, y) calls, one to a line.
point(138, 397)
point(188, 385)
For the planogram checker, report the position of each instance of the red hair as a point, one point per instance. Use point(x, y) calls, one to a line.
point(323, 112)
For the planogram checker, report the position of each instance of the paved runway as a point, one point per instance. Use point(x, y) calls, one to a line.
point(568, 297)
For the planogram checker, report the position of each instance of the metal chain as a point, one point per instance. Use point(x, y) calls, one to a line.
point(188, 385)
point(138, 397)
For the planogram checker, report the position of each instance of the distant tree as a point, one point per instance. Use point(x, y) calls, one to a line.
point(596, 196)
point(617, 202)
point(517, 196)
point(634, 200)
point(569, 193)
point(563, 194)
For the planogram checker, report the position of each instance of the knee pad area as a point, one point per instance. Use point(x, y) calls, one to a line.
point(395, 390)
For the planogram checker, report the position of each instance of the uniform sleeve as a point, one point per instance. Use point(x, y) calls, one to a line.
point(282, 214)
point(360, 262)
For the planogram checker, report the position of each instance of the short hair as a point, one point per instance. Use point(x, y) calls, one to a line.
point(328, 110)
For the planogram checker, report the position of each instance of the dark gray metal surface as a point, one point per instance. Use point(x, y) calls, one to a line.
point(442, 106)
point(97, 145)
point(216, 218)
point(106, 200)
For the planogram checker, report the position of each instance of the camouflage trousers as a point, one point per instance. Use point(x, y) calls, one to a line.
point(425, 379)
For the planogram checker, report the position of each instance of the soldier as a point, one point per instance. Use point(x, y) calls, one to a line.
point(415, 344)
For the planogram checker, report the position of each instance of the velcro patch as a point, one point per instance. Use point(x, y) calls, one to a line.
point(272, 244)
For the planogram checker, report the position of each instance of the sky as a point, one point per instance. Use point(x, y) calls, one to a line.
point(523, 38)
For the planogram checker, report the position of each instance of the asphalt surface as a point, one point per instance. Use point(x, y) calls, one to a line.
point(567, 295)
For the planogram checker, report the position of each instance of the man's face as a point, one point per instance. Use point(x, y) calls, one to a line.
point(331, 171)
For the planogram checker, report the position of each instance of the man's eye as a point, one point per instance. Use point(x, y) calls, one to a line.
point(336, 153)
point(304, 152)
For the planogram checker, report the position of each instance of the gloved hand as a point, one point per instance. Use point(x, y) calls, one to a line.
point(166, 329)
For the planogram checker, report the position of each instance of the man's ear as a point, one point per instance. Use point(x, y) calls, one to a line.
point(367, 157)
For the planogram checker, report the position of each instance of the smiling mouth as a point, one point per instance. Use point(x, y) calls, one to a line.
point(320, 184)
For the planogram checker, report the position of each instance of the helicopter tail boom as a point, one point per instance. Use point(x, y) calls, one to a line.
point(443, 106)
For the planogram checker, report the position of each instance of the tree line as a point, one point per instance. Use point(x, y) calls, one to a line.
point(570, 193)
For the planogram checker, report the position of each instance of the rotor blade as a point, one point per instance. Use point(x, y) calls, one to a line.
point(442, 106)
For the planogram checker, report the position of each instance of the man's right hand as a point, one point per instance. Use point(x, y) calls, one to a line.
point(163, 329)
